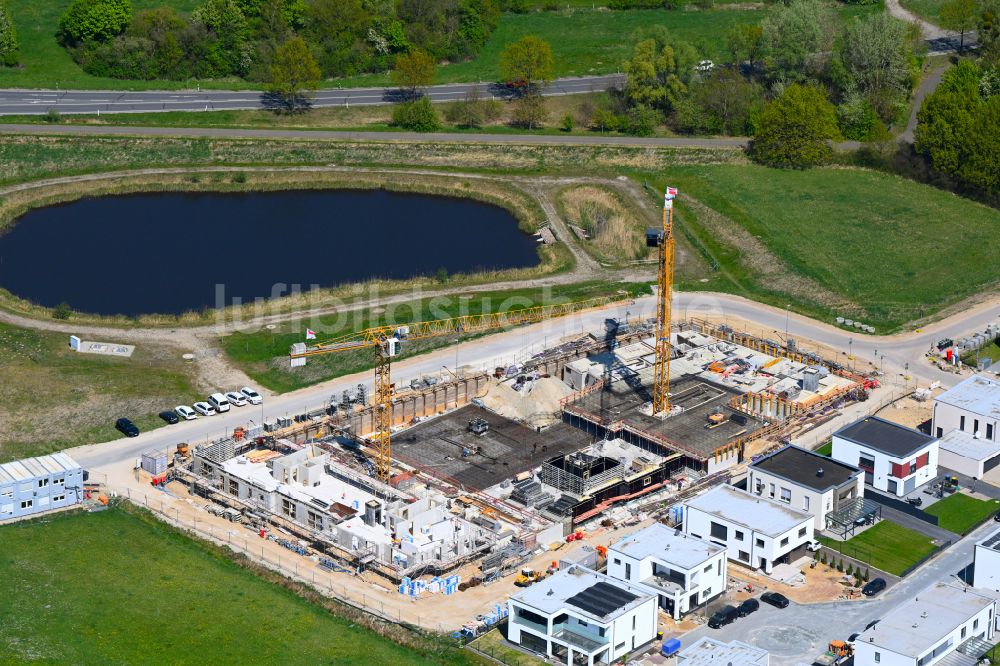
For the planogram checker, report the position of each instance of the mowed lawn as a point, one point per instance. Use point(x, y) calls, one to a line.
point(584, 41)
point(929, 10)
point(897, 249)
point(52, 397)
point(886, 546)
point(960, 513)
point(120, 588)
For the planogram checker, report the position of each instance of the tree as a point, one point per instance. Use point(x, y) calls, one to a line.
point(877, 53)
point(529, 112)
point(9, 55)
point(654, 76)
point(725, 97)
point(797, 38)
point(795, 128)
point(414, 70)
point(746, 43)
point(528, 61)
point(294, 73)
point(958, 130)
point(94, 20)
point(960, 16)
point(417, 115)
point(988, 26)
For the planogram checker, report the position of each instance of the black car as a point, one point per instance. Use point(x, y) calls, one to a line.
point(996, 516)
point(874, 587)
point(775, 599)
point(127, 428)
point(723, 616)
point(747, 607)
point(170, 416)
point(915, 501)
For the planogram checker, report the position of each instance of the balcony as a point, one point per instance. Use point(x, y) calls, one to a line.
point(587, 643)
point(668, 585)
point(537, 627)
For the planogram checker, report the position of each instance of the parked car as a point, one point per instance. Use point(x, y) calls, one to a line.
point(219, 402)
point(204, 408)
point(169, 415)
point(747, 607)
point(723, 616)
point(996, 516)
point(915, 501)
point(775, 599)
point(813, 546)
point(251, 395)
point(186, 412)
point(236, 399)
point(874, 587)
point(126, 427)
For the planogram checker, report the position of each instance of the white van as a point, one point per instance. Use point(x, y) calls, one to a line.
point(219, 402)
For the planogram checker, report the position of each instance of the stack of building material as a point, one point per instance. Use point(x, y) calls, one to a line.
point(527, 492)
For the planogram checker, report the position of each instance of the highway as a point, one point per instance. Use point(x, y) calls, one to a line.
point(897, 354)
point(38, 102)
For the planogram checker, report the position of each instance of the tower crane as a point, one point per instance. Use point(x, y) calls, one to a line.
point(386, 342)
point(664, 240)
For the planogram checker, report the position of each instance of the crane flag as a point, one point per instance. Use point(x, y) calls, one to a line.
point(671, 193)
point(310, 334)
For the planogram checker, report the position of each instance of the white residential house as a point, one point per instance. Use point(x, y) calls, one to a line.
point(756, 531)
point(806, 480)
point(895, 459)
point(931, 626)
point(972, 406)
point(708, 651)
point(986, 563)
point(685, 571)
point(967, 454)
point(37, 485)
point(580, 614)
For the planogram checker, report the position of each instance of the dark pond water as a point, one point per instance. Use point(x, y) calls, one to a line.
point(169, 252)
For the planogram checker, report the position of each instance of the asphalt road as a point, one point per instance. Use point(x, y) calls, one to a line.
point(37, 102)
point(799, 633)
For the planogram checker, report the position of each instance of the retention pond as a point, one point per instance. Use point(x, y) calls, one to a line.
point(173, 252)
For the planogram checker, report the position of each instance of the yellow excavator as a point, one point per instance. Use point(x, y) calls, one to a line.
point(527, 577)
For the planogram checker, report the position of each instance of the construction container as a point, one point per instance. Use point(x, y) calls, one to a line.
point(154, 462)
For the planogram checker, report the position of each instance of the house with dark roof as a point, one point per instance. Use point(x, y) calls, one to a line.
point(806, 480)
point(895, 459)
point(579, 616)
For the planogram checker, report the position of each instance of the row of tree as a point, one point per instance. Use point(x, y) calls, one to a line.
point(242, 37)
point(9, 48)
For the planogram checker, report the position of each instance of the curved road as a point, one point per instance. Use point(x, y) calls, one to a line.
point(37, 102)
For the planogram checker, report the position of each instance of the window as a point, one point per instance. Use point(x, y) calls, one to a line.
point(961, 422)
point(802, 532)
point(719, 531)
point(975, 426)
point(784, 542)
point(708, 568)
point(771, 490)
point(59, 482)
point(739, 535)
point(786, 495)
point(878, 657)
point(760, 487)
point(964, 630)
point(620, 646)
point(618, 561)
point(743, 556)
point(718, 569)
point(27, 504)
point(59, 498)
point(940, 432)
point(628, 571)
point(760, 543)
point(234, 487)
point(913, 467)
point(975, 624)
point(288, 507)
point(584, 624)
point(314, 520)
point(989, 431)
point(633, 622)
point(42, 483)
point(647, 480)
point(704, 595)
point(805, 502)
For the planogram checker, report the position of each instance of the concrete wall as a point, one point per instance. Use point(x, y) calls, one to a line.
point(986, 570)
point(425, 402)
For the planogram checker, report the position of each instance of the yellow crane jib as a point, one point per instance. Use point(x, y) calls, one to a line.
point(663, 240)
point(387, 340)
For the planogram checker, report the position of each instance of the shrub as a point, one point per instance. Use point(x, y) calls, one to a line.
point(567, 123)
point(604, 121)
point(840, 565)
point(9, 55)
point(641, 120)
point(795, 128)
point(61, 311)
point(850, 569)
point(52, 116)
point(529, 112)
point(418, 116)
point(94, 20)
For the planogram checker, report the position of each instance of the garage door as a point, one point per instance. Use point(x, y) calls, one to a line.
point(991, 463)
point(909, 485)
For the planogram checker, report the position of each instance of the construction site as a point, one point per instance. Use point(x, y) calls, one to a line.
point(482, 471)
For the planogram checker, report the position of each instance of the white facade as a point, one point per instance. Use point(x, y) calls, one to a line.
point(756, 531)
point(972, 406)
point(924, 630)
point(37, 485)
point(819, 489)
point(707, 651)
point(986, 563)
point(685, 571)
point(967, 454)
point(557, 617)
point(873, 444)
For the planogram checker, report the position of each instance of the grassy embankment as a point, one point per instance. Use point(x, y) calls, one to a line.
point(869, 246)
point(264, 354)
point(886, 546)
point(961, 513)
point(128, 589)
point(614, 228)
point(929, 10)
point(53, 398)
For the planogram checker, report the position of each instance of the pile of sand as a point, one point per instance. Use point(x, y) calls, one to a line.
point(534, 406)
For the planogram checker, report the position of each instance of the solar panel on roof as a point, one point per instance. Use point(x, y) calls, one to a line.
point(993, 542)
point(601, 599)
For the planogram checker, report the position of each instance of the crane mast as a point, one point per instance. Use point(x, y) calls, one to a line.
point(664, 240)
